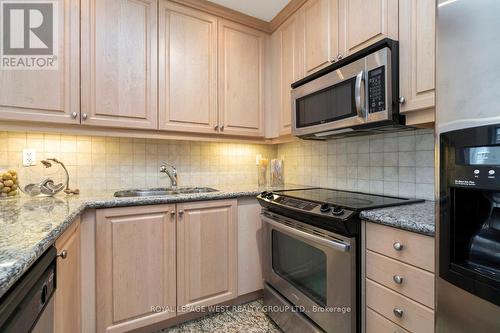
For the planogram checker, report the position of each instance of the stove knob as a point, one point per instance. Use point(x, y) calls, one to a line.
point(263, 194)
point(270, 196)
point(325, 208)
point(337, 211)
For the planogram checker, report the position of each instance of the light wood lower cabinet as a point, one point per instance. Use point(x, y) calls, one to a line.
point(47, 95)
point(416, 283)
point(414, 316)
point(417, 52)
point(398, 280)
point(119, 63)
point(206, 253)
point(415, 249)
point(249, 246)
point(153, 263)
point(135, 266)
point(67, 306)
point(375, 323)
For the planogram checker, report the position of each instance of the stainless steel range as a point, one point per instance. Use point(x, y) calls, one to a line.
point(312, 258)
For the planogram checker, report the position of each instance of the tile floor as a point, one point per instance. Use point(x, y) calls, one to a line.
point(247, 318)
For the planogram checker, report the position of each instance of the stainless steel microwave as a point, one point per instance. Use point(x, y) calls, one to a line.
point(357, 95)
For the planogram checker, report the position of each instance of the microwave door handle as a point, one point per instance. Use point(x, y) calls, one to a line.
point(360, 109)
point(305, 235)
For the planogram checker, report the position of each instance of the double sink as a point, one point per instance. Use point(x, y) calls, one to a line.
point(163, 191)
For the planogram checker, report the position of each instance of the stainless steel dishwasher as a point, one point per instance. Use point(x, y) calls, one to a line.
point(28, 306)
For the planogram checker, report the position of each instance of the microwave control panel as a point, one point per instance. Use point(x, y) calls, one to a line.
point(376, 90)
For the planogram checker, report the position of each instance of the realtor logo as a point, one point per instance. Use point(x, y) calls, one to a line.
point(29, 35)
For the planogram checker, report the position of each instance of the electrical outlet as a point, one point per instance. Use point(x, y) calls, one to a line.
point(29, 157)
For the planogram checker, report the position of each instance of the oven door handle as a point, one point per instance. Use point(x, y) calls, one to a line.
point(360, 108)
point(337, 245)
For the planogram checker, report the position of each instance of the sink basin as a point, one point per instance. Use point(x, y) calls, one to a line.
point(162, 191)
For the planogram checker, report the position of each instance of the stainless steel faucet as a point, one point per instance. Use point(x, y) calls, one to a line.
point(171, 172)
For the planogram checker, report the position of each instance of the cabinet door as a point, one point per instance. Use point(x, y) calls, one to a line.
point(241, 74)
point(417, 31)
point(187, 69)
point(67, 306)
point(119, 69)
point(249, 246)
point(292, 67)
point(206, 253)
point(135, 266)
point(335, 53)
point(364, 22)
point(315, 15)
point(48, 95)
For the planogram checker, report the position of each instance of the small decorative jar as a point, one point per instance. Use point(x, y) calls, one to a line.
point(277, 171)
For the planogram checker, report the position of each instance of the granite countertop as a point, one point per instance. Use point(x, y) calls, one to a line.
point(29, 226)
point(418, 217)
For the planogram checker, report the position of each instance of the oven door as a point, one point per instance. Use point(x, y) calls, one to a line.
point(314, 269)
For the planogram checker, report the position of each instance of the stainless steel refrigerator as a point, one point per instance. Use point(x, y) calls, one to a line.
point(468, 186)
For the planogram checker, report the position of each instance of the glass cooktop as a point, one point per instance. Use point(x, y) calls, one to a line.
point(350, 200)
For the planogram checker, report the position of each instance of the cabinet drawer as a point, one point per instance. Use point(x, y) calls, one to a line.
point(415, 283)
point(415, 317)
point(416, 249)
point(375, 323)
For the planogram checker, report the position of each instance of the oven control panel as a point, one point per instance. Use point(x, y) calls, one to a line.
point(296, 203)
point(376, 90)
point(325, 209)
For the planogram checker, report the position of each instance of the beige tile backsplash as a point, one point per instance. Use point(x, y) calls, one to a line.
point(392, 164)
point(114, 163)
point(399, 164)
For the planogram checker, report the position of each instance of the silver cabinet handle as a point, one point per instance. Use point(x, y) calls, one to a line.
point(397, 279)
point(74, 115)
point(172, 212)
point(339, 56)
point(181, 212)
point(216, 127)
point(397, 246)
point(222, 127)
point(402, 100)
point(398, 312)
point(84, 116)
point(63, 254)
point(360, 109)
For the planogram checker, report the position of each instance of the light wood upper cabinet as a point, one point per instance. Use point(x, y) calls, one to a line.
point(292, 66)
point(316, 21)
point(363, 22)
point(119, 63)
point(135, 266)
point(67, 306)
point(241, 79)
point(335, 53)
point(187, 69)
point(206, 252)
point(48, 95)
point(417, 60)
